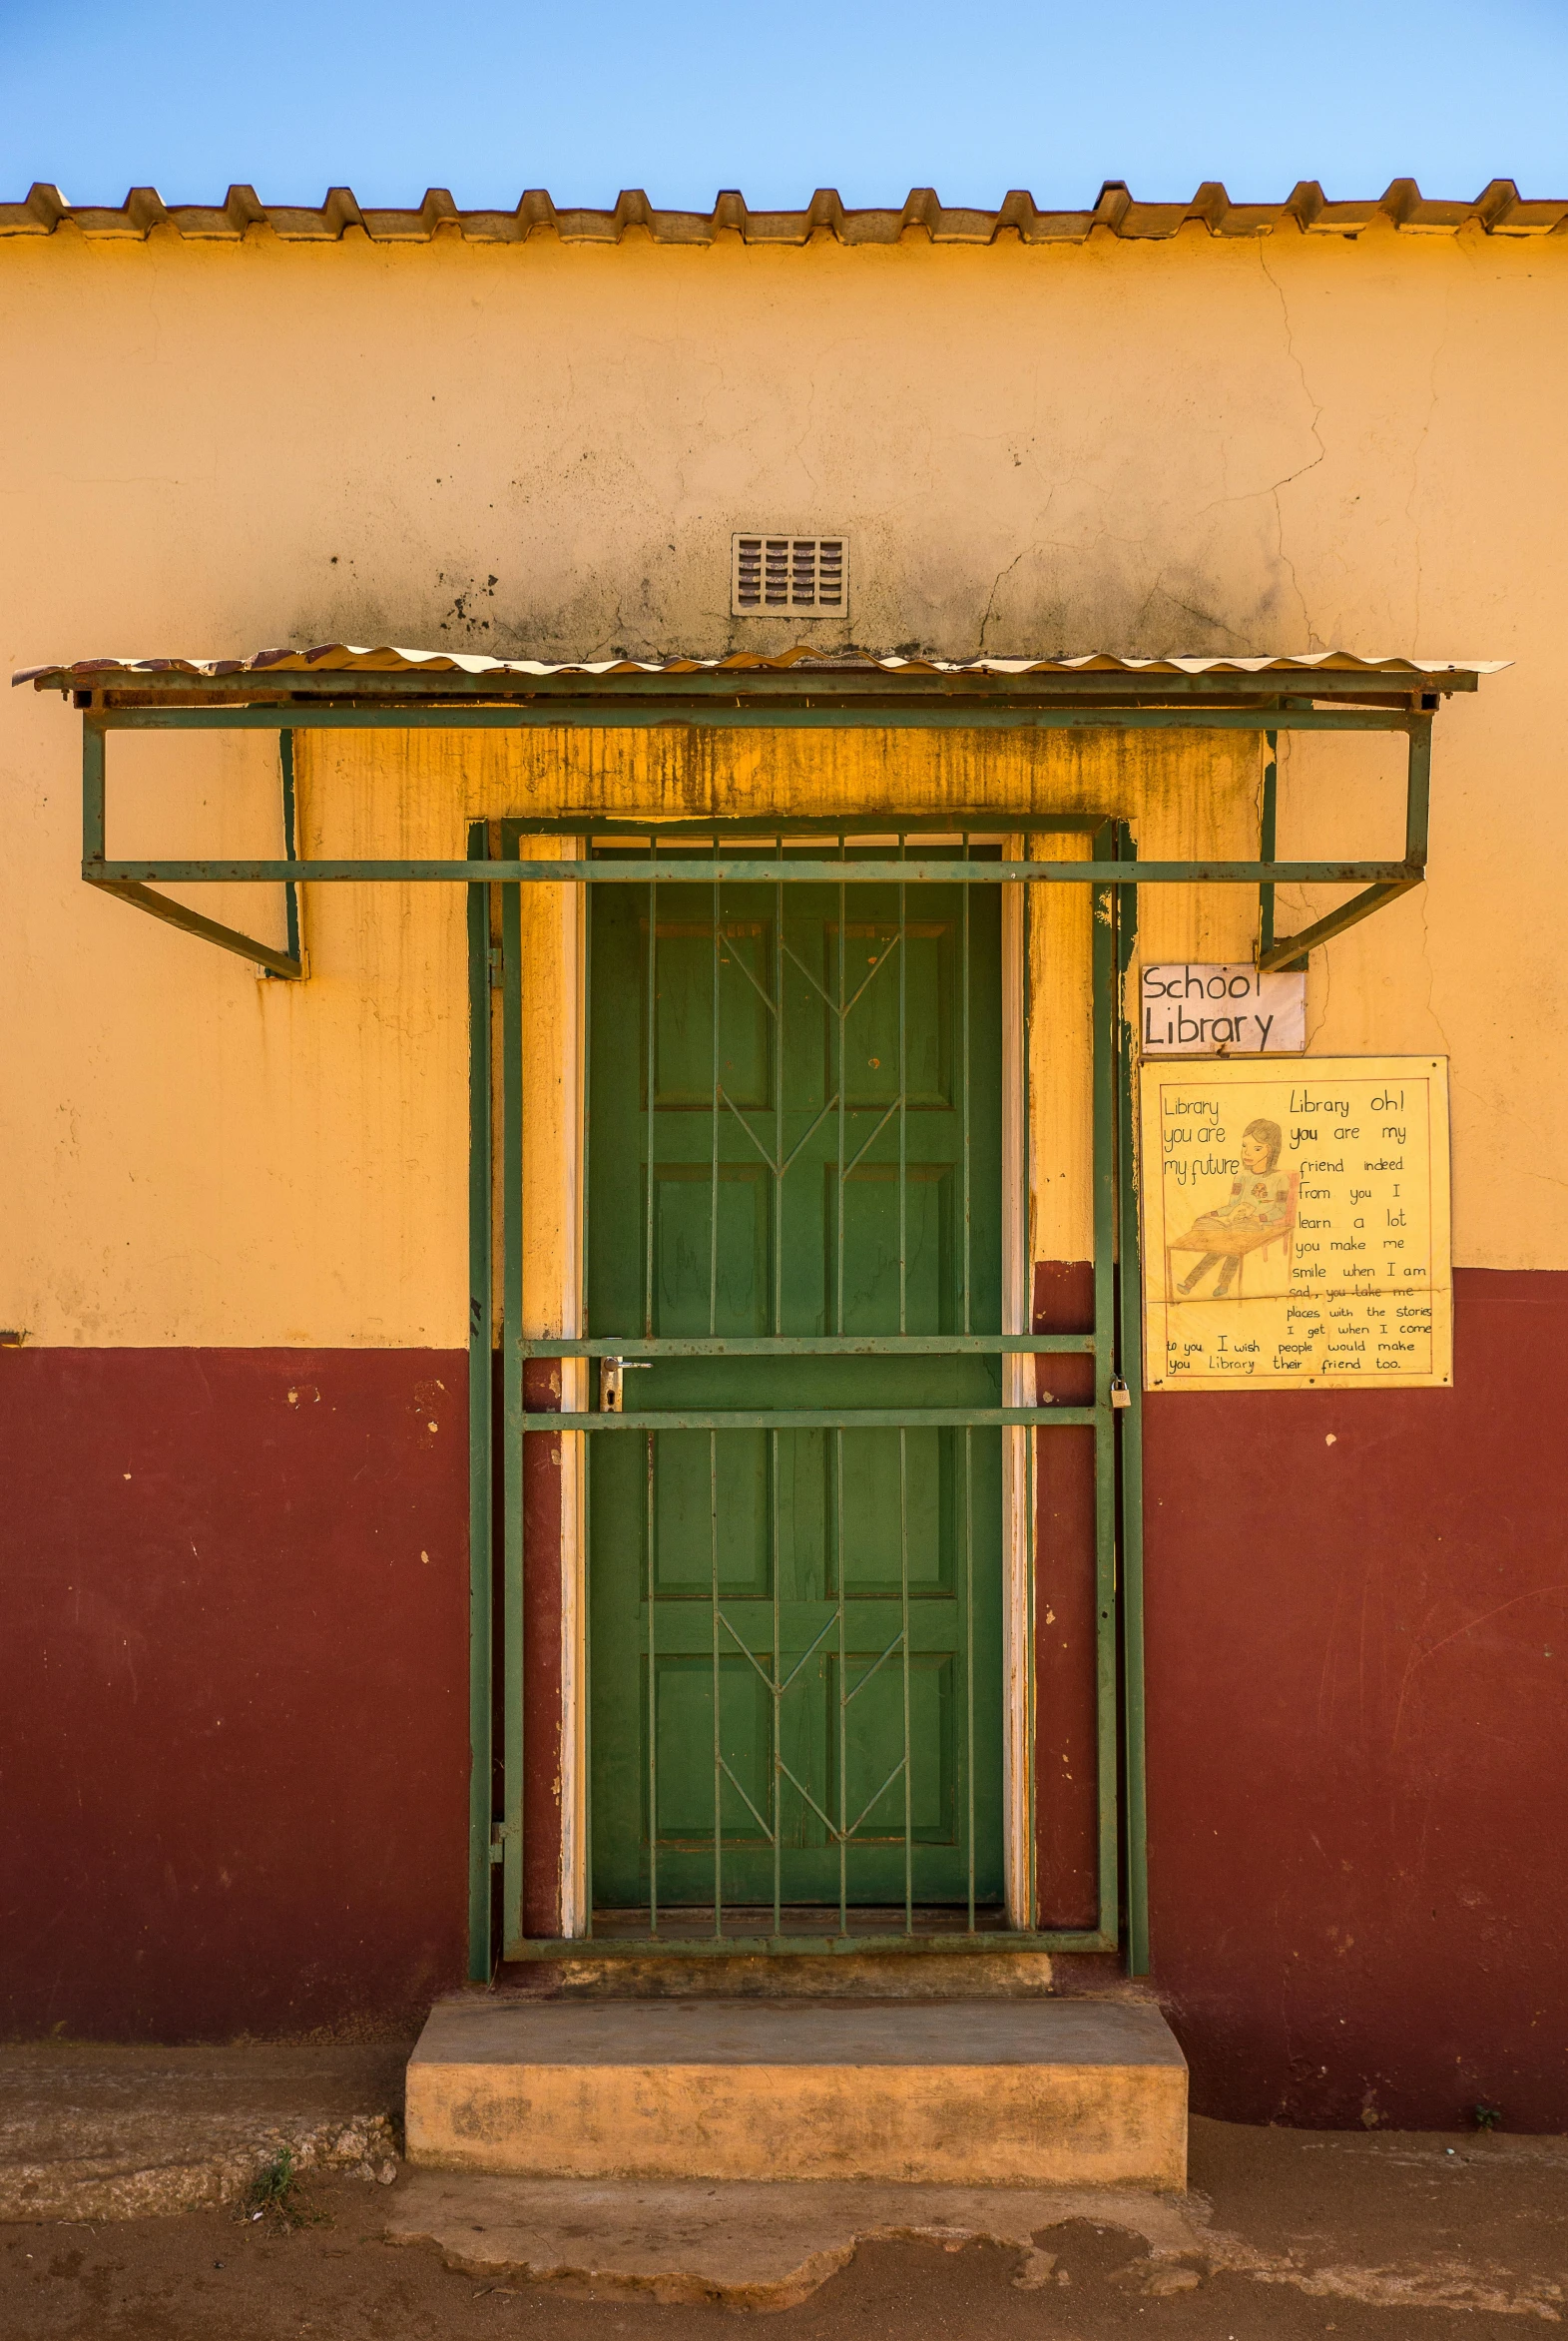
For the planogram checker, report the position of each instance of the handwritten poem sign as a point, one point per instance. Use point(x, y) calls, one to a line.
point(1295, 1223)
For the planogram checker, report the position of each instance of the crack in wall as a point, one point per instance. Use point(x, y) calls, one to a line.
point(1286, 562)
point(1426, 961)
point(990, 602)
point(1416, 471)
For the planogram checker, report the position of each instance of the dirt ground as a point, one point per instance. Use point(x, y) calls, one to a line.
point(1346, 2233)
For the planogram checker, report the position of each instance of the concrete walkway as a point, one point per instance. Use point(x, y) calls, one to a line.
point(89, 2131)
point(770, 2246)
point(1289, 2236)
point(1285, 2236)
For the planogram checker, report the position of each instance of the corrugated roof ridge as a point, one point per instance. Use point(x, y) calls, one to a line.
point(386, 658)
point(1498, 209)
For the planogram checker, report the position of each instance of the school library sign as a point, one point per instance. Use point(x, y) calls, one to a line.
point(1295, 1223)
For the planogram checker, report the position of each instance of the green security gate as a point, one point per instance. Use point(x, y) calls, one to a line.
point(795, 1107)
point(792, 1311)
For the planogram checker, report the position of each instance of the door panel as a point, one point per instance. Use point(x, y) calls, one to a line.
point(794, 1131)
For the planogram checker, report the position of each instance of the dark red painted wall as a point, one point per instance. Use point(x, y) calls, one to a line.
point(233, 1708)
point(1358, 1671)
point(1067, 1802)
point(234, 1717)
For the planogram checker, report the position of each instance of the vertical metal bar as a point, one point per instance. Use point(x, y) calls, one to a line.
point(1130, 1431)
point(964, 985)
point(481, 1308)
point(583, 1370)
point(777, 1676)
point(513, 1479)
point(1266, 839)
point(1031, 1442)
point(969, 1665)
point(775, 1550)
point(903, 1327)
point(93, 759)
point(843, 1086)
point(778, 1107)
point(712, 1552)
point(285, 759)
point(653, 1700)
point(904, 1592)
point(838, 1439)
point(1418, 790)
point(652, 1071)
point(843, 1680)
point(713, 1436)
point(650, 1075)
point(839, 1256)
point(713, 1208)
point(904, 1094)
point(1104, 985)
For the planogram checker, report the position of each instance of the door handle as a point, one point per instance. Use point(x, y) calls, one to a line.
point(611, 1369)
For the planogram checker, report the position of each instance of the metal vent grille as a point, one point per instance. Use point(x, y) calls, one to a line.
point(789, 575)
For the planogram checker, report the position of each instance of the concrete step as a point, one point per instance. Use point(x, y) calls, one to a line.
point(1021, 2093)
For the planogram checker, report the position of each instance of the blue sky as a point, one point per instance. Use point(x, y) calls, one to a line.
point(863, 95)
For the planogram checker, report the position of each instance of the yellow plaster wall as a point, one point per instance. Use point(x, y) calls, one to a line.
point(1185, 795)
point(1195, 444)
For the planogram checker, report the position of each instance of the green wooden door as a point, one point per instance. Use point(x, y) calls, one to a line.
point(794, 1135)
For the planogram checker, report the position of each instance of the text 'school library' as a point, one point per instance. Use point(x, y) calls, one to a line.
point(759, 1262)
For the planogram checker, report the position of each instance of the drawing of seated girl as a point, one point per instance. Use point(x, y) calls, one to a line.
point(1259, 1201)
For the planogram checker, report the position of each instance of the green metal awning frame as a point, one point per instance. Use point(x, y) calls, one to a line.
point(742, 851)
point(1357, 702)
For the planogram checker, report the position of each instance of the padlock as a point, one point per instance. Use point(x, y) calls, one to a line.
point(1121, 1396)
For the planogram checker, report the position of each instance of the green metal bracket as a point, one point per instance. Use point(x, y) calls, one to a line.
point(129, 887)
point(133, 881)
point(1384, 886)
point(285, 759)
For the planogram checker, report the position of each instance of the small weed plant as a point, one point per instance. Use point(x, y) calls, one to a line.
point(274, 2193)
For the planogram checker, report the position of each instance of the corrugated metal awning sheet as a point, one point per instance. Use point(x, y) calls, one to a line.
point(1498, 210)
point(348, 658)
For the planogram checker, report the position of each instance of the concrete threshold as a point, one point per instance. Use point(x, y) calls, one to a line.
point(760, 2247)
point(1019, 2092)
point(854, 1975)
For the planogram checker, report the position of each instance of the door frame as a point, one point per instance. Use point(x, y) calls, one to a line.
point(526, 1273)
point(1017, 1541)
